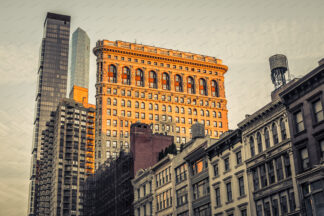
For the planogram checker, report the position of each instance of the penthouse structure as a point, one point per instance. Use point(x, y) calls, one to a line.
point(167, 89)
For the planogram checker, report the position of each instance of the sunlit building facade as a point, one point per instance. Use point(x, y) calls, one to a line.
point(167, 89)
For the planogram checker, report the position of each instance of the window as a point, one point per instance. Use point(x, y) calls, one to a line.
point(259, 141)
point(318, 111)
point(299, 121)
point(283, 204)
point(142, 105)
point(108, 101)
point(279, 169)
point(216, 170)
point(275, 207)
point(283, 129)
point(229, 191)
point(218, 198)
point(243, 212)
point(271, 173)
point(322, 148)
point(198, 166)
point(241, 186)
point(263, 176)
point(252, 149)
point(287, 165)
point(126, 79)
point(150, 106)
point(129, 104)
point(304, 158)
point(181, 173)
point(255, 179)
point(139, 77)
point(153, 80)
point(266, 138)
point(226, 164)
point(108, 111)
point(214, 88)
point(189, 111)
point(182, 196)
point(112, 74)
point(165, 81)
point(169, 108)
point(136, 104)
point(274, 134)
point(200, 189)
point(238, 157)
point(182, 110)
point(178, 83)
point(122, 103)
point(156, 107)
point(202, 87)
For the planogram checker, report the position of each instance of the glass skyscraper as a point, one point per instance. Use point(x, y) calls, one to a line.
point(79, 67)
point(52, 81)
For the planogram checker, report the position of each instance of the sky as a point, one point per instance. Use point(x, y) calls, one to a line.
point(244, 34)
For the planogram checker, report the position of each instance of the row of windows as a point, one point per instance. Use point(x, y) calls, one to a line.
point(229, 192)
point(165, 81)
point(266, 138)
point(163, 65)
point(113, 144)
point(227, 163)
point(164, 200)
point(176, 99)
point(271, 172)
point(304, 157)
point(278, 204)
point(163, 177)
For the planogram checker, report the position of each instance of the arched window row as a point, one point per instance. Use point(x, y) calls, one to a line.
point(126, 79)
point(268, 136)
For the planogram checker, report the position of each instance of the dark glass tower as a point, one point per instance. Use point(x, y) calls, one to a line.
point(52, 80)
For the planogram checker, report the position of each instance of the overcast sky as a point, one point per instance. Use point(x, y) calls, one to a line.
point(241, 33)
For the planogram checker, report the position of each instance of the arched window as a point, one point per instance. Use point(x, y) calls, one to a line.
point(176, 109)
point(126, 79)
point(191, 85)
point(178, 83)
point(108, 101)
point(189, 111)
point(214, 88)
point(112, 74)
point(207, 113)
point(283, 129)
point(202, 87)
point(259, 141)
point(150, 106)
point(152, 80)
point(195, 112)
point(266, 138)
point(202, 112)
point(169, 108)
point(252, 148)
point(139, 77)
point(123, 102)
point(165, 81)
point(136, 104)
point(275, 133)
point(143, 105)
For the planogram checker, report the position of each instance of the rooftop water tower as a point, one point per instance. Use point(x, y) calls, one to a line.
point(279, 67)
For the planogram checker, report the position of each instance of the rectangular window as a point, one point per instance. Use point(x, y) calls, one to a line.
point(238, 157)
point(181, 173)
point(322, 148)
point(272, 177)
point(275, 207)
point(283, 204)
point(304, 158)
point(201, 189)
point(241, 186)
point(216, 171)
point(226, 164)
point(229, 191)
point(263, 175)
point(318, 111)
point(182, 196)
point(279, 169)
point(299, 121)
point(218, 198)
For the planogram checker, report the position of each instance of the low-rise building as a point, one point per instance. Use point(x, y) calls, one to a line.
point(228, 178)
point(304, 101)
